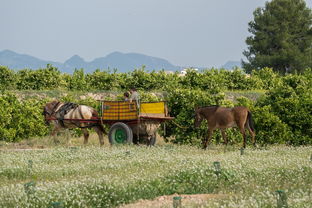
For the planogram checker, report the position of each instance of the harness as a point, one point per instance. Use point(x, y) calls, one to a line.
point(64, 109)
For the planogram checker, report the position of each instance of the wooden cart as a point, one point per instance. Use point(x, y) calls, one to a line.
point(133, 123)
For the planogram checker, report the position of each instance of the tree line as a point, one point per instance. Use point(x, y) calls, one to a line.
point(282, 114)
point(50, 78)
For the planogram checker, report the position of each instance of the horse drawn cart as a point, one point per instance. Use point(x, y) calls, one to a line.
point(131, 122)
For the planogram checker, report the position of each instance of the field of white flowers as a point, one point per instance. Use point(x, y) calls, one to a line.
point(111, 176)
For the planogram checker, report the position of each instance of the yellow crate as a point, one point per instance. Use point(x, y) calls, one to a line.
point(119, 110)
point(153, 109)
point(123, 110)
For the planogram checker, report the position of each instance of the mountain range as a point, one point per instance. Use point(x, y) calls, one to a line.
point(123, 62)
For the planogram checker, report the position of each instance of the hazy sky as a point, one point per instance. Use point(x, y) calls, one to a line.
point(185, 32)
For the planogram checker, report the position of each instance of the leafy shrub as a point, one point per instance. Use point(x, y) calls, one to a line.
point(267, 77)
point(105, 80)
point(269, 127)
point(292, 103)
point(41, 79)
point(20, 119)
point(78, 81)
point(7, 78)
point(237, 80)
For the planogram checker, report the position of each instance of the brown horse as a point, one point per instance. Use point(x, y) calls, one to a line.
point(69, 115)
point(221, 118)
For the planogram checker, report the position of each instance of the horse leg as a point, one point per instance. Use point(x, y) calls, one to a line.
point(208, 138)
point(242, 130)
point(204, 142)
point(250, 126)
point(54, 134)
point(99, 130)
point(252, 134)
point(149, 138)
point(86, 136)
point(224, 136)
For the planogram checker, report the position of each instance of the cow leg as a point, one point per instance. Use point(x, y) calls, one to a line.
point(224, 136)
point(86, 136)
point(99, 130)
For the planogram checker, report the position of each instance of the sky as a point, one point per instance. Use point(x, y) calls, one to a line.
point(201, 33)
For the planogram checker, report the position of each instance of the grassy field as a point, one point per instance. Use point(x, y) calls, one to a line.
point(111, 176)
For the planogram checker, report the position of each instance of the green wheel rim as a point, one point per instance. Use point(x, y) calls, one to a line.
point(120, 136)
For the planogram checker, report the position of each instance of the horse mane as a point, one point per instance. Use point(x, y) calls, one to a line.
point(209, 107)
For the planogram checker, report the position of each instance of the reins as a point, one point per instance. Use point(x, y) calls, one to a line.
point(178, 125)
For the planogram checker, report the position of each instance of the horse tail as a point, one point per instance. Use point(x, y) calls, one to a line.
point(250, 121)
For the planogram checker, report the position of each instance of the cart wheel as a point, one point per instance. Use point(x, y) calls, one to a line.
point(120, 133)
point(152, 141)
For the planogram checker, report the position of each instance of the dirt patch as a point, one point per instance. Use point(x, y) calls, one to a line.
point(167, 201)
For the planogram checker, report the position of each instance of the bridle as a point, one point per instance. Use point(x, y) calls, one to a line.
point(198, 115)
point(50, 113)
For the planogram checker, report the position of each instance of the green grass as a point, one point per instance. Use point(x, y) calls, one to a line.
point(106, 177)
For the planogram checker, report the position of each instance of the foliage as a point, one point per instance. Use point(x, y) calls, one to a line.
point(20, 119)
point(269, 127)
point(267, 77)
point(281, 37)
point(105, 80)
point(212, 80)
point(47, 78)
point(7, 78)
point(292, 103)
point(78, 81)
point(139, 79)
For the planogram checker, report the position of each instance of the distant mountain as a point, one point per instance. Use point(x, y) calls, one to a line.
point(75, 62)
point(124, 62)
point(21, 61)
point(231, 64)
point(129, 61)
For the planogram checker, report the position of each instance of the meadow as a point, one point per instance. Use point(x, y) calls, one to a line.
point(35, 172)
point(90, 176)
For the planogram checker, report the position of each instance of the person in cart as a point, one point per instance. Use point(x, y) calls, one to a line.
point(126, 96)
point(135, 97)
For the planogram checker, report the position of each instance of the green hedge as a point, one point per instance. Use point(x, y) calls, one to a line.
point(20, 119)
point(282, 115)
point(209, 79)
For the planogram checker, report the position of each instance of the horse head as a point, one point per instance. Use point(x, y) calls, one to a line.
point(49, 110)
point(198, 118)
